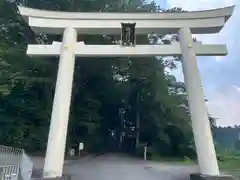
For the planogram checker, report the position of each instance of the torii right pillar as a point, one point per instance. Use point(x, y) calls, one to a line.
point(200, 122)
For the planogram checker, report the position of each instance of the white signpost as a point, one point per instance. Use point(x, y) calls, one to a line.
point(80, 148)
point(145, 152)
point(71, 24)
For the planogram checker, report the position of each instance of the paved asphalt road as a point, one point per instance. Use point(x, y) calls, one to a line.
point(117, 167)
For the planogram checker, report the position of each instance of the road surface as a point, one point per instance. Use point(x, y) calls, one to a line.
point(117, 167)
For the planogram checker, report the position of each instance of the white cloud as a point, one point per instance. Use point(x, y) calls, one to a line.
point(219, 58)
point(226, 106)
point(220, 75)
point(201, 4)
point(237, 88)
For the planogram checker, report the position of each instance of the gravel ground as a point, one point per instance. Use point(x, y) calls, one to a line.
point(117, 167)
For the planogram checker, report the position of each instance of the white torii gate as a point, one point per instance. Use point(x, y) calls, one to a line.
point(71, 24)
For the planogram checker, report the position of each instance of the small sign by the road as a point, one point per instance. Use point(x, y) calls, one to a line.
point(81, 146)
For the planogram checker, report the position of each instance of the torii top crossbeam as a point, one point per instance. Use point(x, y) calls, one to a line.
point(200, 22)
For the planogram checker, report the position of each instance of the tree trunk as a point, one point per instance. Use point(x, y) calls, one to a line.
point(137, 122)
point(121, 130)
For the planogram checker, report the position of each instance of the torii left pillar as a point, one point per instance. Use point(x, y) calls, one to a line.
point(54, 159)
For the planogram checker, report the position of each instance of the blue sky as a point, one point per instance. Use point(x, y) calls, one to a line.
point(220, 75)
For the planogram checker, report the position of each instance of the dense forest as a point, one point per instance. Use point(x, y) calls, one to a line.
point(227, 139)
point(118, 104)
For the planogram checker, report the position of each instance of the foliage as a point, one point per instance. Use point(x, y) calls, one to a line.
point(227, 138)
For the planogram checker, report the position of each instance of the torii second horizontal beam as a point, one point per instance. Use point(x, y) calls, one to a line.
point(82, 50)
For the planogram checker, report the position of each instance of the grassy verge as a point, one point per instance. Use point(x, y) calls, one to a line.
point(184, 161)
point(227, 164)
point(230, 165)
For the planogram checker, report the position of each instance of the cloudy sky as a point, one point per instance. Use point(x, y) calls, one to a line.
point(220, 75)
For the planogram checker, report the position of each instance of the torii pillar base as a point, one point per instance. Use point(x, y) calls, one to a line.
point(208, 177)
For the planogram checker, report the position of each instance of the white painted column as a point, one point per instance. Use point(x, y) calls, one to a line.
point(54, 159)
point(200, 123)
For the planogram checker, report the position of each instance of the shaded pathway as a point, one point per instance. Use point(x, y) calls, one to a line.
point(116, 167)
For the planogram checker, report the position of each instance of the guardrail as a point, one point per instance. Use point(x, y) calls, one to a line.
point(26, 167)
point(10, 151)
point(13, 161)
point(9, 172)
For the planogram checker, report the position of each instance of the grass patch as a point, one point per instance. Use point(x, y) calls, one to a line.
point(230, 165)
point(227, 164)
point(184, 161)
